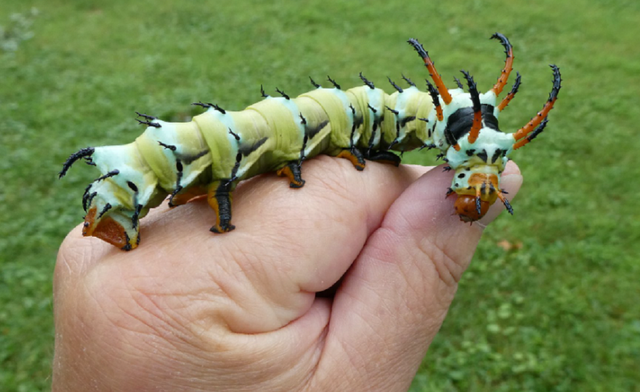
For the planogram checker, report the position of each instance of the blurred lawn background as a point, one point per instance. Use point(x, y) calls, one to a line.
point(552, 299)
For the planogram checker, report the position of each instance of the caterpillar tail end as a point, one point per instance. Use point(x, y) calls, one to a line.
point(111, 229)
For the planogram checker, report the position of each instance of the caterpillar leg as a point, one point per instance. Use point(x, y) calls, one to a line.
point(355, 156)
point(292, 172)
point(385, 157)
point(219, 198)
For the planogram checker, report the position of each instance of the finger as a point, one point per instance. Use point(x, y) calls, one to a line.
point(394, 299)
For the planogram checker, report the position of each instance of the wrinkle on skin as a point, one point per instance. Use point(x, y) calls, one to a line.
point(296, 340)
point(426, 216)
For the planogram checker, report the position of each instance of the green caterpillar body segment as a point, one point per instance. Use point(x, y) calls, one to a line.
point(218, 148)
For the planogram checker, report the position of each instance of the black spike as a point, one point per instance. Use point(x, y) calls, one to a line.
point(235, 135)
point(449, 192)
point(419, 48)
point(458, 83)
point(516, 84)
point(146, 116)
point(504, 41)
point(393, 111)
point(303, 120)
point(106, 208)
point(367, 82)
point(353, 110)
point(433, 91)
point(473, 91)
point(446, 168)
point(427, 146)
point(204, 105)
point(87, 199)
point(83, 153)
point(218, 108)
point(406, 79)
point(372, 108)
point(110, 174)
point(264, 95)
point(283, 94)
point(88, 161)
point(556, 82)
point(507, 205)
point(538, 129)
point(316, 85)
point(336, 85)
point(168, 146)
point(424, 119)
point(400, 90)
point(148, 123)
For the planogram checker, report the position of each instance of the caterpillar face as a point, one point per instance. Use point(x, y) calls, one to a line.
point(218, 148)
point(466, 126)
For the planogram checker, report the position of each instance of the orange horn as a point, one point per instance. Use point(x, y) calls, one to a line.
point(553, 95)
point(508, 63)
point(477, 108)
point(442, 89)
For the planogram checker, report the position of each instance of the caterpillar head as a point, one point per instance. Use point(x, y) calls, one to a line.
point(477, 193)
point(115, 201)
point(466, 125)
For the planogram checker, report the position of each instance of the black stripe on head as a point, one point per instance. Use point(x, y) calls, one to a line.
point(459, 123)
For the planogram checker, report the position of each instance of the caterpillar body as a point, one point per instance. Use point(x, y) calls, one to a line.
point(218, 148)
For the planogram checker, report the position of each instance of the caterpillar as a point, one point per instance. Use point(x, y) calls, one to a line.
point(215, 150)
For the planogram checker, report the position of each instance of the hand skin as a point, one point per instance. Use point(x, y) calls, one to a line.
point(193, 311)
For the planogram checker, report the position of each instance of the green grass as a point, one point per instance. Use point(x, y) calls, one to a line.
point(561, 313)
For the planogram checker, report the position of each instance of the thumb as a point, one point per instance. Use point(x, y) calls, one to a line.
point(397, 294)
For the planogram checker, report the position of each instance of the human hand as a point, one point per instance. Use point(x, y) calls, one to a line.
point(192, 311)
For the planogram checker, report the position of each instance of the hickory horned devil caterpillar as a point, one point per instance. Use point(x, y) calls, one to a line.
point(218, 148)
